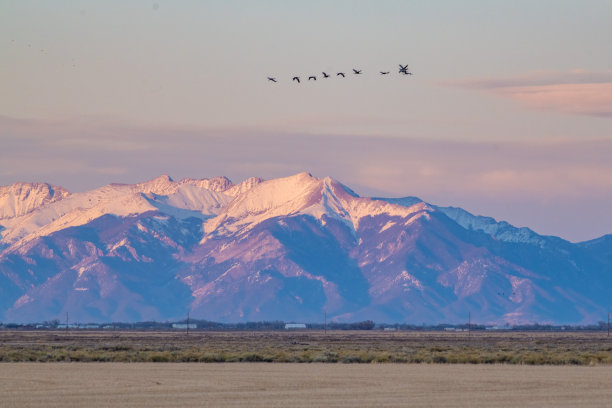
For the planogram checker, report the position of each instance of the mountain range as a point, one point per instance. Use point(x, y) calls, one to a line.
point(287, 249)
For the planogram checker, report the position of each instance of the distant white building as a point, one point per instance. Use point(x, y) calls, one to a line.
point(184, 326)
point(290, 326)
point(70, 326)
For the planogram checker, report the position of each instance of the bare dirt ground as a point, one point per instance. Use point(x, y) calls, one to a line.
point(302, 385)
point(531, 348)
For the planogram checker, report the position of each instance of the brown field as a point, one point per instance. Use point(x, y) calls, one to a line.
point(527, 348)
point(301, 385)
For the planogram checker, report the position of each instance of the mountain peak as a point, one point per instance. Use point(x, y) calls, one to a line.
point(244, 186)
point(162, 185)
point(218, 184)
point(22, 198)
point(284, 248)
point(300, 193)
point(165, 178)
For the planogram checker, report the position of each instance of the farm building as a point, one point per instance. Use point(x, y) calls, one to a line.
point(184, 326)
point(294, 326)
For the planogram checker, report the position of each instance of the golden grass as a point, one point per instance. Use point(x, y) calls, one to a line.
point(579, 348)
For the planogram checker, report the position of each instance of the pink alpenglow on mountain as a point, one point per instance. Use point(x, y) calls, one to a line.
point(282, 249)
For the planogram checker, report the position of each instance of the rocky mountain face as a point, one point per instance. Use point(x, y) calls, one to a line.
point(285, 249)
point(22, 198)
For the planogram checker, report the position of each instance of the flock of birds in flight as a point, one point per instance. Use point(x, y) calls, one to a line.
point(403, 69)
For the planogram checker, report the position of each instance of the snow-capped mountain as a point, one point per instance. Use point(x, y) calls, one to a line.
point(22, 198)
point(289, 249)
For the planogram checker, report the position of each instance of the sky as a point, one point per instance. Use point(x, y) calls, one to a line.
point(508, 113)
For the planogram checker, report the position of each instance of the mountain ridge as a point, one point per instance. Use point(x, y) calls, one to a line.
point(288, 249)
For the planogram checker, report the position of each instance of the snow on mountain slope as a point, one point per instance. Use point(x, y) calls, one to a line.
point(501, 230)
point(22, 198)
point(113, 268)
point(301, 194)
point(243, 187)
point(405, 201)
point(160, 193)
point(360, 208)
point(162, 185)
point(287, 249)
point(218, 184)
point(77, 209)
point(194, 198)
point(223, 184)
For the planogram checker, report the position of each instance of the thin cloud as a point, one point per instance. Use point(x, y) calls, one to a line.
point(536, 183)
point(538, 78)
point(576, 92)
point(580, 99)
point(399, 166)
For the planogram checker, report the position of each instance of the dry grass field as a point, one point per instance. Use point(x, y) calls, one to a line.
point(527, 348)
point(301, 385)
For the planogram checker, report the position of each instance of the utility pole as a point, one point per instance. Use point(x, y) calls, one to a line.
point(187, 323)
point(469, 323)
point(66, 322)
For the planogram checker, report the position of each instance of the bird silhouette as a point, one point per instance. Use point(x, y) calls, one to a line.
point(341, 74)
point(312, 77)
point(271, 79)
point(325, 75)
point(357, 71)
point(296, 79)
point(404, 69)
point(384, 72)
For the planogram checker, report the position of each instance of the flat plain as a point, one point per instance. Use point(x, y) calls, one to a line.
point(302, 385)
point(372, 346)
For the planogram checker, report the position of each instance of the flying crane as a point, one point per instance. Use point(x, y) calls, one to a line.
point(404, 69)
